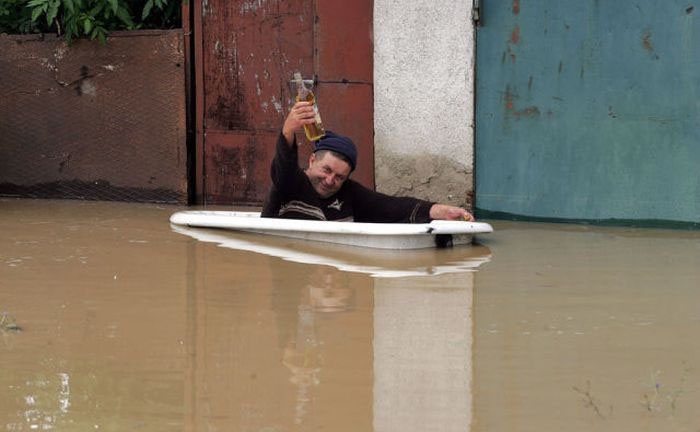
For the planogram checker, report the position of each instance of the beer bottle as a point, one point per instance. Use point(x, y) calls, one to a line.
point(315, 130)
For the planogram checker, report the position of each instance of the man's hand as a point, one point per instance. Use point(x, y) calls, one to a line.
point(302, 113)
point(448, 212)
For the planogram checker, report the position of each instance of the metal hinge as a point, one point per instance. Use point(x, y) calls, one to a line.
point(476, 13)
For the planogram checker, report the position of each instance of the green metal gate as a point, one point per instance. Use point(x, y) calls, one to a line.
point(589, 110)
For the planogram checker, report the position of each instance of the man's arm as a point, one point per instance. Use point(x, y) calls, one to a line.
point(285, 165)
point(373, 206)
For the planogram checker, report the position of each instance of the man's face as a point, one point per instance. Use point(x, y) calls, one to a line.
point(327, 173)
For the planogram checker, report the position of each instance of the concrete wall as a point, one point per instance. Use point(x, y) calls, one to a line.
point(423, 99)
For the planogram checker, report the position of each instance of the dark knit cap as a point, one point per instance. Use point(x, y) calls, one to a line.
point(338, 144)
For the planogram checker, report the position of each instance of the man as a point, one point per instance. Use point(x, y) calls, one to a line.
point(324, 190)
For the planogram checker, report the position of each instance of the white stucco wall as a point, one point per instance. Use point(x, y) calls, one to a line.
point(423, 99)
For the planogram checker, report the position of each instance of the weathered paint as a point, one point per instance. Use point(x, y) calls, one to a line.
point(344, 62)
point(589, 110)
point(248, 49)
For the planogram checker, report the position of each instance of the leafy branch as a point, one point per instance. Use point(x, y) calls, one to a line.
point(92, 19)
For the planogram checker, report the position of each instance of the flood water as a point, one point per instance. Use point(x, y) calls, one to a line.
point(113, 320)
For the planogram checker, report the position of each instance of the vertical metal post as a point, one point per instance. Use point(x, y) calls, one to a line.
point(198, 28)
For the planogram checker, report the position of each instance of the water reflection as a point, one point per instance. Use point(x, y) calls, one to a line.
point(422, 359)
point(46, 402)
point(303, 358)
point(353, 352)
point(375, 262)
point(301, 314)
point(326, 292)
point(279, 354)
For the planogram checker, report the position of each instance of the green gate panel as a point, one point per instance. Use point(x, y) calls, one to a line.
point(589, 110)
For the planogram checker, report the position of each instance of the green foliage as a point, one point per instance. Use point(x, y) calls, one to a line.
point(92, 19)
point(15, 18)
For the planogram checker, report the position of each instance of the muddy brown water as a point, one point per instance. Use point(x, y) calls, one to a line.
point(113, 320)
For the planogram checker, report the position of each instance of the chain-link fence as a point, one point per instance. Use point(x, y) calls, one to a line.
point(94, 121)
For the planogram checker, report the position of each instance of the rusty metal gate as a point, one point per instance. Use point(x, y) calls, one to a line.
point(245, 54)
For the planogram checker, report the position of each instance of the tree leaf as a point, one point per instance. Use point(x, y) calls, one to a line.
point(69, 6)
point(36, 13)
point(34, 3)
point(87, 26)
point(95, 11)
point(102, 35)
point(124, 15)
point(52, 12)
point(147, 9)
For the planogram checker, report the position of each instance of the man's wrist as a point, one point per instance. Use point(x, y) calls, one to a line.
point(289, 136)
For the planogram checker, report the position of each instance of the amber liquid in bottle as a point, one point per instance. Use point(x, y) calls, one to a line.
point(315, 130)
